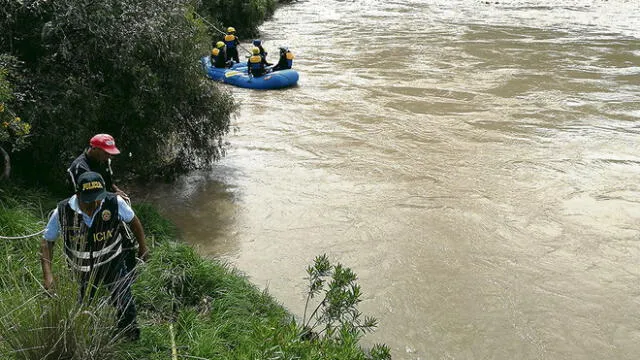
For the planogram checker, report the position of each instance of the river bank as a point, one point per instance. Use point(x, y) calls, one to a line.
point(201, 308)
point(476, 165)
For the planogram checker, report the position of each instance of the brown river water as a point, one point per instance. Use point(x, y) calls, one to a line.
point(477, 165)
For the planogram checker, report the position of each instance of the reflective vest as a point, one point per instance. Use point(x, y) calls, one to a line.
point(255, 65)
point(91, 248)
point(230, 41)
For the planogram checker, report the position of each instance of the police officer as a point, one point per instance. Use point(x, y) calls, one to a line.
point(256, 63)
point(219, 56)
point(90, 223)
point(96, 158)
point(285, 61)
point(232, 42)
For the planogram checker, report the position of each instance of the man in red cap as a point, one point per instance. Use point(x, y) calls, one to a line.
point(97, 158)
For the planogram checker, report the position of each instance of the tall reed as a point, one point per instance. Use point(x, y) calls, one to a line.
point(36, 324)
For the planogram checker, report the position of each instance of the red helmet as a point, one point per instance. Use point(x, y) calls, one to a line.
point(104, 142)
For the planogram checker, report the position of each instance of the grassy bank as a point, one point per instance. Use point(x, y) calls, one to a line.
point(199, 308)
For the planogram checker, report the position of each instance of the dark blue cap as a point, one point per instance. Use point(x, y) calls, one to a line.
point(91, 187)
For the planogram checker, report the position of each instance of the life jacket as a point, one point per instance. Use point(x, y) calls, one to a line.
point(218, 58)
point(256, 66)
point(230, 41)
point(96, 248)
point(290, 59)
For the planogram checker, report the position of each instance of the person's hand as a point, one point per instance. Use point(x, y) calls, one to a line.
point(49, 285)
point(123, 195)
point(143, 253)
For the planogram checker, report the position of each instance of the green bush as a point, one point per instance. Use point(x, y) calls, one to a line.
point(125, 67)
point(243, 15)
point(13, 131)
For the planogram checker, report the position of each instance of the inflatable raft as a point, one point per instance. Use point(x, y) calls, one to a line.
point(237, 76)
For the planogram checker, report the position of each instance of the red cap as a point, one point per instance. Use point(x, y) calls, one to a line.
point(104, 142)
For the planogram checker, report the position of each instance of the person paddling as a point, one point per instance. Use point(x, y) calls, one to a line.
point(219, 56)
point(258, 43)
point(256, 63)
point(285, 61)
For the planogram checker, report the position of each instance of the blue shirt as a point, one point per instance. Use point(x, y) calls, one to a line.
point(52, 231)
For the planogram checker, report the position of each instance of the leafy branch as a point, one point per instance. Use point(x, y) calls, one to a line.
point(336, 317)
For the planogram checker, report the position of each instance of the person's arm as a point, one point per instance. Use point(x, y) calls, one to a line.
point(138, 231)
point(46, 256)
point(126, 214)
point(51, 233)
point(119, 191)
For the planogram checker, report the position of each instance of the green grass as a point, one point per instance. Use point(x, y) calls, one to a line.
point(215, 312)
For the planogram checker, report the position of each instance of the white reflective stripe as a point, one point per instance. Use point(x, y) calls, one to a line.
point(78, 267)
point(109, 167)
point(73, 179)
point(88, 268)
point(109, 259)
point(87, 254)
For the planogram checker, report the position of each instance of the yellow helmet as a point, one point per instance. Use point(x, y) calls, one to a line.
point(255, 51)
point(213, 52)
point(231, 29)
point(219, 44)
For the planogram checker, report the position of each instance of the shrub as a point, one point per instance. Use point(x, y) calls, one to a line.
point(13, 131)
point(125, 67)
point(244, 15)
point(336, 318)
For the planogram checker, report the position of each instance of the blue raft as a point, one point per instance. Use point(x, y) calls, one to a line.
point(237, 75)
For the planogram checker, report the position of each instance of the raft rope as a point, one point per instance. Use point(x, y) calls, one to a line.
point(21, 237)
point(126, 228)
point(26, 236)
point(220, 31)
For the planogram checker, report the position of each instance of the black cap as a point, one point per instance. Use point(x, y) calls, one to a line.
point(91, 187)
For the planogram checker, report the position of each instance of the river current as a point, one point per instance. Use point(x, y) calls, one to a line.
point(476, 163)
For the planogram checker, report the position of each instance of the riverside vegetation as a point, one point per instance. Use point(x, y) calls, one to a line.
point(73, 68)
point(129, 68)
point(195, 307)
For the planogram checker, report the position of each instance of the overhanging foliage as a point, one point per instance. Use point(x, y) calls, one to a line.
point(125, 67)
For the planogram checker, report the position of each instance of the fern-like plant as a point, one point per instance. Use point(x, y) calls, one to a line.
point(336, 317)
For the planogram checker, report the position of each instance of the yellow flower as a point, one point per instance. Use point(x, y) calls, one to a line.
point(26, 128)
point(17, 119)
point(1, 107)
point(5, 124)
